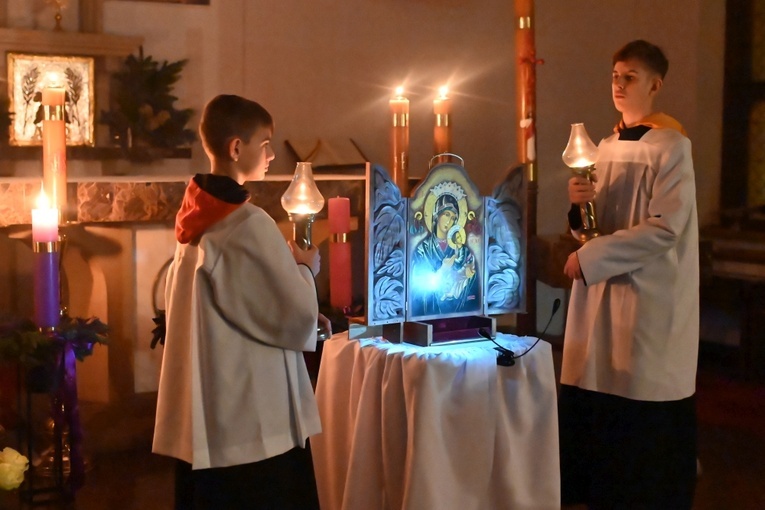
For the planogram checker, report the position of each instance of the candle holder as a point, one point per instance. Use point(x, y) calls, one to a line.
point(301, 228)
point(59, 5)
point(302, 201)
point(580, 156)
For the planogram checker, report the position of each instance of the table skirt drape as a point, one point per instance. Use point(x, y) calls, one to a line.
point(440, 427)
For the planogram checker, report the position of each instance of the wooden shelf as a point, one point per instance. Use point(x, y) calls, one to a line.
point(68, 43)
point(83, 152)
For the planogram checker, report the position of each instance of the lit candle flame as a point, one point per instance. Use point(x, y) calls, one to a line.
point(400, 91)
point(53, 79)
point(42, 201)
point(443, 91)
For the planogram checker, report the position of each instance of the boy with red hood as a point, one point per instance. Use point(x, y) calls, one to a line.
point(235, 402)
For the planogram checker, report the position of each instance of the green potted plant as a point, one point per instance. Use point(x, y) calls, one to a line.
point(23, 344)
point(143, 115)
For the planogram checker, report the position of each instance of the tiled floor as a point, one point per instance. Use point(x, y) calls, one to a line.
point(731, 450)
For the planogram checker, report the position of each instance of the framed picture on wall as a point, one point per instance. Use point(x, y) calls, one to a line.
point(29, 74)
point(188, 2)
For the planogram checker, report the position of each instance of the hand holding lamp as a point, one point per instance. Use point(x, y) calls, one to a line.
point(580, 156)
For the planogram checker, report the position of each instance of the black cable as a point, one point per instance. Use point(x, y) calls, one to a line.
point(507, 357)
point(556, 305)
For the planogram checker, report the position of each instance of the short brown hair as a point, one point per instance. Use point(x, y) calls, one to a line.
point(229, 116)
point(649, 54)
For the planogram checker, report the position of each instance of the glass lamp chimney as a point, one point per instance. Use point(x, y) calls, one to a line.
point(580, 151)
point(302, 201)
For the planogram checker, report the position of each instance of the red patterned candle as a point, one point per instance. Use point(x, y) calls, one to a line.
point(340, 292)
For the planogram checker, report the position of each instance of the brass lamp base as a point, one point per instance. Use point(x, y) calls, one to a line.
point(301, 228)
point(587, 234)
point(589, 228)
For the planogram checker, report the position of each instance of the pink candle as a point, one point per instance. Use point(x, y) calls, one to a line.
point(44, 222)
point(339, 215)
point(54, 146)
point(47, 300)
point(340, 292)
point(399, 109)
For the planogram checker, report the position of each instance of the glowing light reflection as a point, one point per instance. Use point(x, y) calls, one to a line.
point(427, 281)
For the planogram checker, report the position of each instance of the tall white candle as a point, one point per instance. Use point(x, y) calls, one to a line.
point(54, 145)
point(399, 140)
point(442, 126)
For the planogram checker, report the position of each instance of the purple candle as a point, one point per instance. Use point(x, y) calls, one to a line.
point(46, 274)
point(46, 284)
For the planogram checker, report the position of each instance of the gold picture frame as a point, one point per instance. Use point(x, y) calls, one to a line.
point(187, 2)
point(29, 74)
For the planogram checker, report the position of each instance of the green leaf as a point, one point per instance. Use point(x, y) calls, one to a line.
point(144, 81)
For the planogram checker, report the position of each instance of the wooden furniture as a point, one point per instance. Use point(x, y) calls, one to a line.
point(739, 256)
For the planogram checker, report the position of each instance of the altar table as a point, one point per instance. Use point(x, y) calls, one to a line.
point(436, 428)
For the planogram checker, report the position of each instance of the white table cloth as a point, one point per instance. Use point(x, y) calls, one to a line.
point(436, 428)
